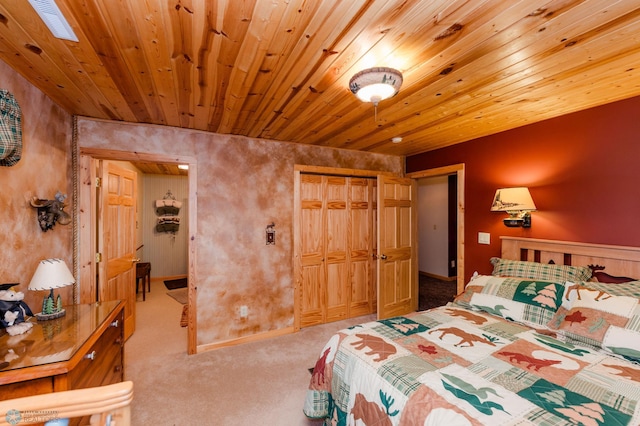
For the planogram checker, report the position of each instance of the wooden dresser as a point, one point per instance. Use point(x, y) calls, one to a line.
point(85, 348)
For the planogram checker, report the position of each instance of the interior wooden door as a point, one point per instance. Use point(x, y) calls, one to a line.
point(362, 247)
point(336, 244)
point(397, 247)
point(311, 247)
point(116, 239)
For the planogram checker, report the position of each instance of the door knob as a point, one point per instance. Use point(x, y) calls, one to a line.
point(383, 256)
point(136, 259)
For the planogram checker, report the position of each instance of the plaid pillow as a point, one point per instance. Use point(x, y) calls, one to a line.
point(539, 271)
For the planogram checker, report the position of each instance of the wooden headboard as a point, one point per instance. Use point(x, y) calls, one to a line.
point(617, 260)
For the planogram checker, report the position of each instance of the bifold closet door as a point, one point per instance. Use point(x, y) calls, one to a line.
point(337, 246)
point(362, 240)
point(311, 235)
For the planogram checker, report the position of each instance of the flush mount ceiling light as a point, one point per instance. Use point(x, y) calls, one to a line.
point(54, 19)
point(376, 84)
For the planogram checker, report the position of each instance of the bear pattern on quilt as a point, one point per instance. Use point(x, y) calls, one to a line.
point(451, 365)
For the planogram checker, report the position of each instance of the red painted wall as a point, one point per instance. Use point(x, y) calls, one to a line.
point(582, 169)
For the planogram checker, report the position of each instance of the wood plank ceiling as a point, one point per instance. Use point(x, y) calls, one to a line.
point(279, 69)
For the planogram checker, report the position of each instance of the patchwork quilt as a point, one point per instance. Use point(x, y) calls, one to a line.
point(456, 365)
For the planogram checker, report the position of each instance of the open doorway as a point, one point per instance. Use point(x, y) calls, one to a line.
point(437, 239)
point(88, 232)
point(448, 249)
point(162, 224)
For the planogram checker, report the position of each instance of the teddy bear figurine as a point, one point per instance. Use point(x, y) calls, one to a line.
point(13, 310)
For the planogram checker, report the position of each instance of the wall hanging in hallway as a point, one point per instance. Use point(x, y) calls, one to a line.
point(168, 209)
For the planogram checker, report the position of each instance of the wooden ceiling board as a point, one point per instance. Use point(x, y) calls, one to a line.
point(159, 169)
point(279, 69)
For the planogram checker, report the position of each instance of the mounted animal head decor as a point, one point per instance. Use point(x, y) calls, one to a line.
point(51, 212)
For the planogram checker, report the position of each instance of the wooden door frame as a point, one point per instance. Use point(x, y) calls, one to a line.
point(457, 169)
point(85, 221)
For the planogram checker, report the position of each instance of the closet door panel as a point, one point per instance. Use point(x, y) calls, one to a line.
point(313, 296)
point(313, 300)
point(361, 246)
point(360, 292)
point(337, 291)
point(336, 248)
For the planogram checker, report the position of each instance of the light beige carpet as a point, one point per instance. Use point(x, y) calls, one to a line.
point(258, 383)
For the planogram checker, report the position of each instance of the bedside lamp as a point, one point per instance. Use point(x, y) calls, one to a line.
point(50, 274)
point(517, 202)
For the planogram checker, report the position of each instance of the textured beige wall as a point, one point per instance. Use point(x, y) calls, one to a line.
point(243, 185)
point(44, 169)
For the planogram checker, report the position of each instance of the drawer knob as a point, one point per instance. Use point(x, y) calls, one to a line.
point(90, 356)
point(115, 323)
point(117, 368)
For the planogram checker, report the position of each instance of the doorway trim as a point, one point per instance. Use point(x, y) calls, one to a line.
point(457, 169)
point(83, 178)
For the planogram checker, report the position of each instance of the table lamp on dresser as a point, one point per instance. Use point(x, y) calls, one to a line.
point(51, 274)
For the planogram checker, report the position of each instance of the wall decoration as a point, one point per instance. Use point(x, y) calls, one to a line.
point(168, 209)
point(271, 234)
point(10, 129)
point(51, 212)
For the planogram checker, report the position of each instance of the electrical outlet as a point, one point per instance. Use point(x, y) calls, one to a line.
point(244, 311)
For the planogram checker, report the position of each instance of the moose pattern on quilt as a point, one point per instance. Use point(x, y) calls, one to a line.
point(454, 366)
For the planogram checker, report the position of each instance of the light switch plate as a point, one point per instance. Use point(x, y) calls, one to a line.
point(484, 238)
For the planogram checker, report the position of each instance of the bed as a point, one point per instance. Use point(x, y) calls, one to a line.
point(537, 342)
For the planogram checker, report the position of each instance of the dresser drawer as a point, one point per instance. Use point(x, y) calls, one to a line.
point(103, 363)
point(26, 388)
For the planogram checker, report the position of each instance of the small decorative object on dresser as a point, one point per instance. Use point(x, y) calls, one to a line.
point(13, 310)
point(50, 274)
